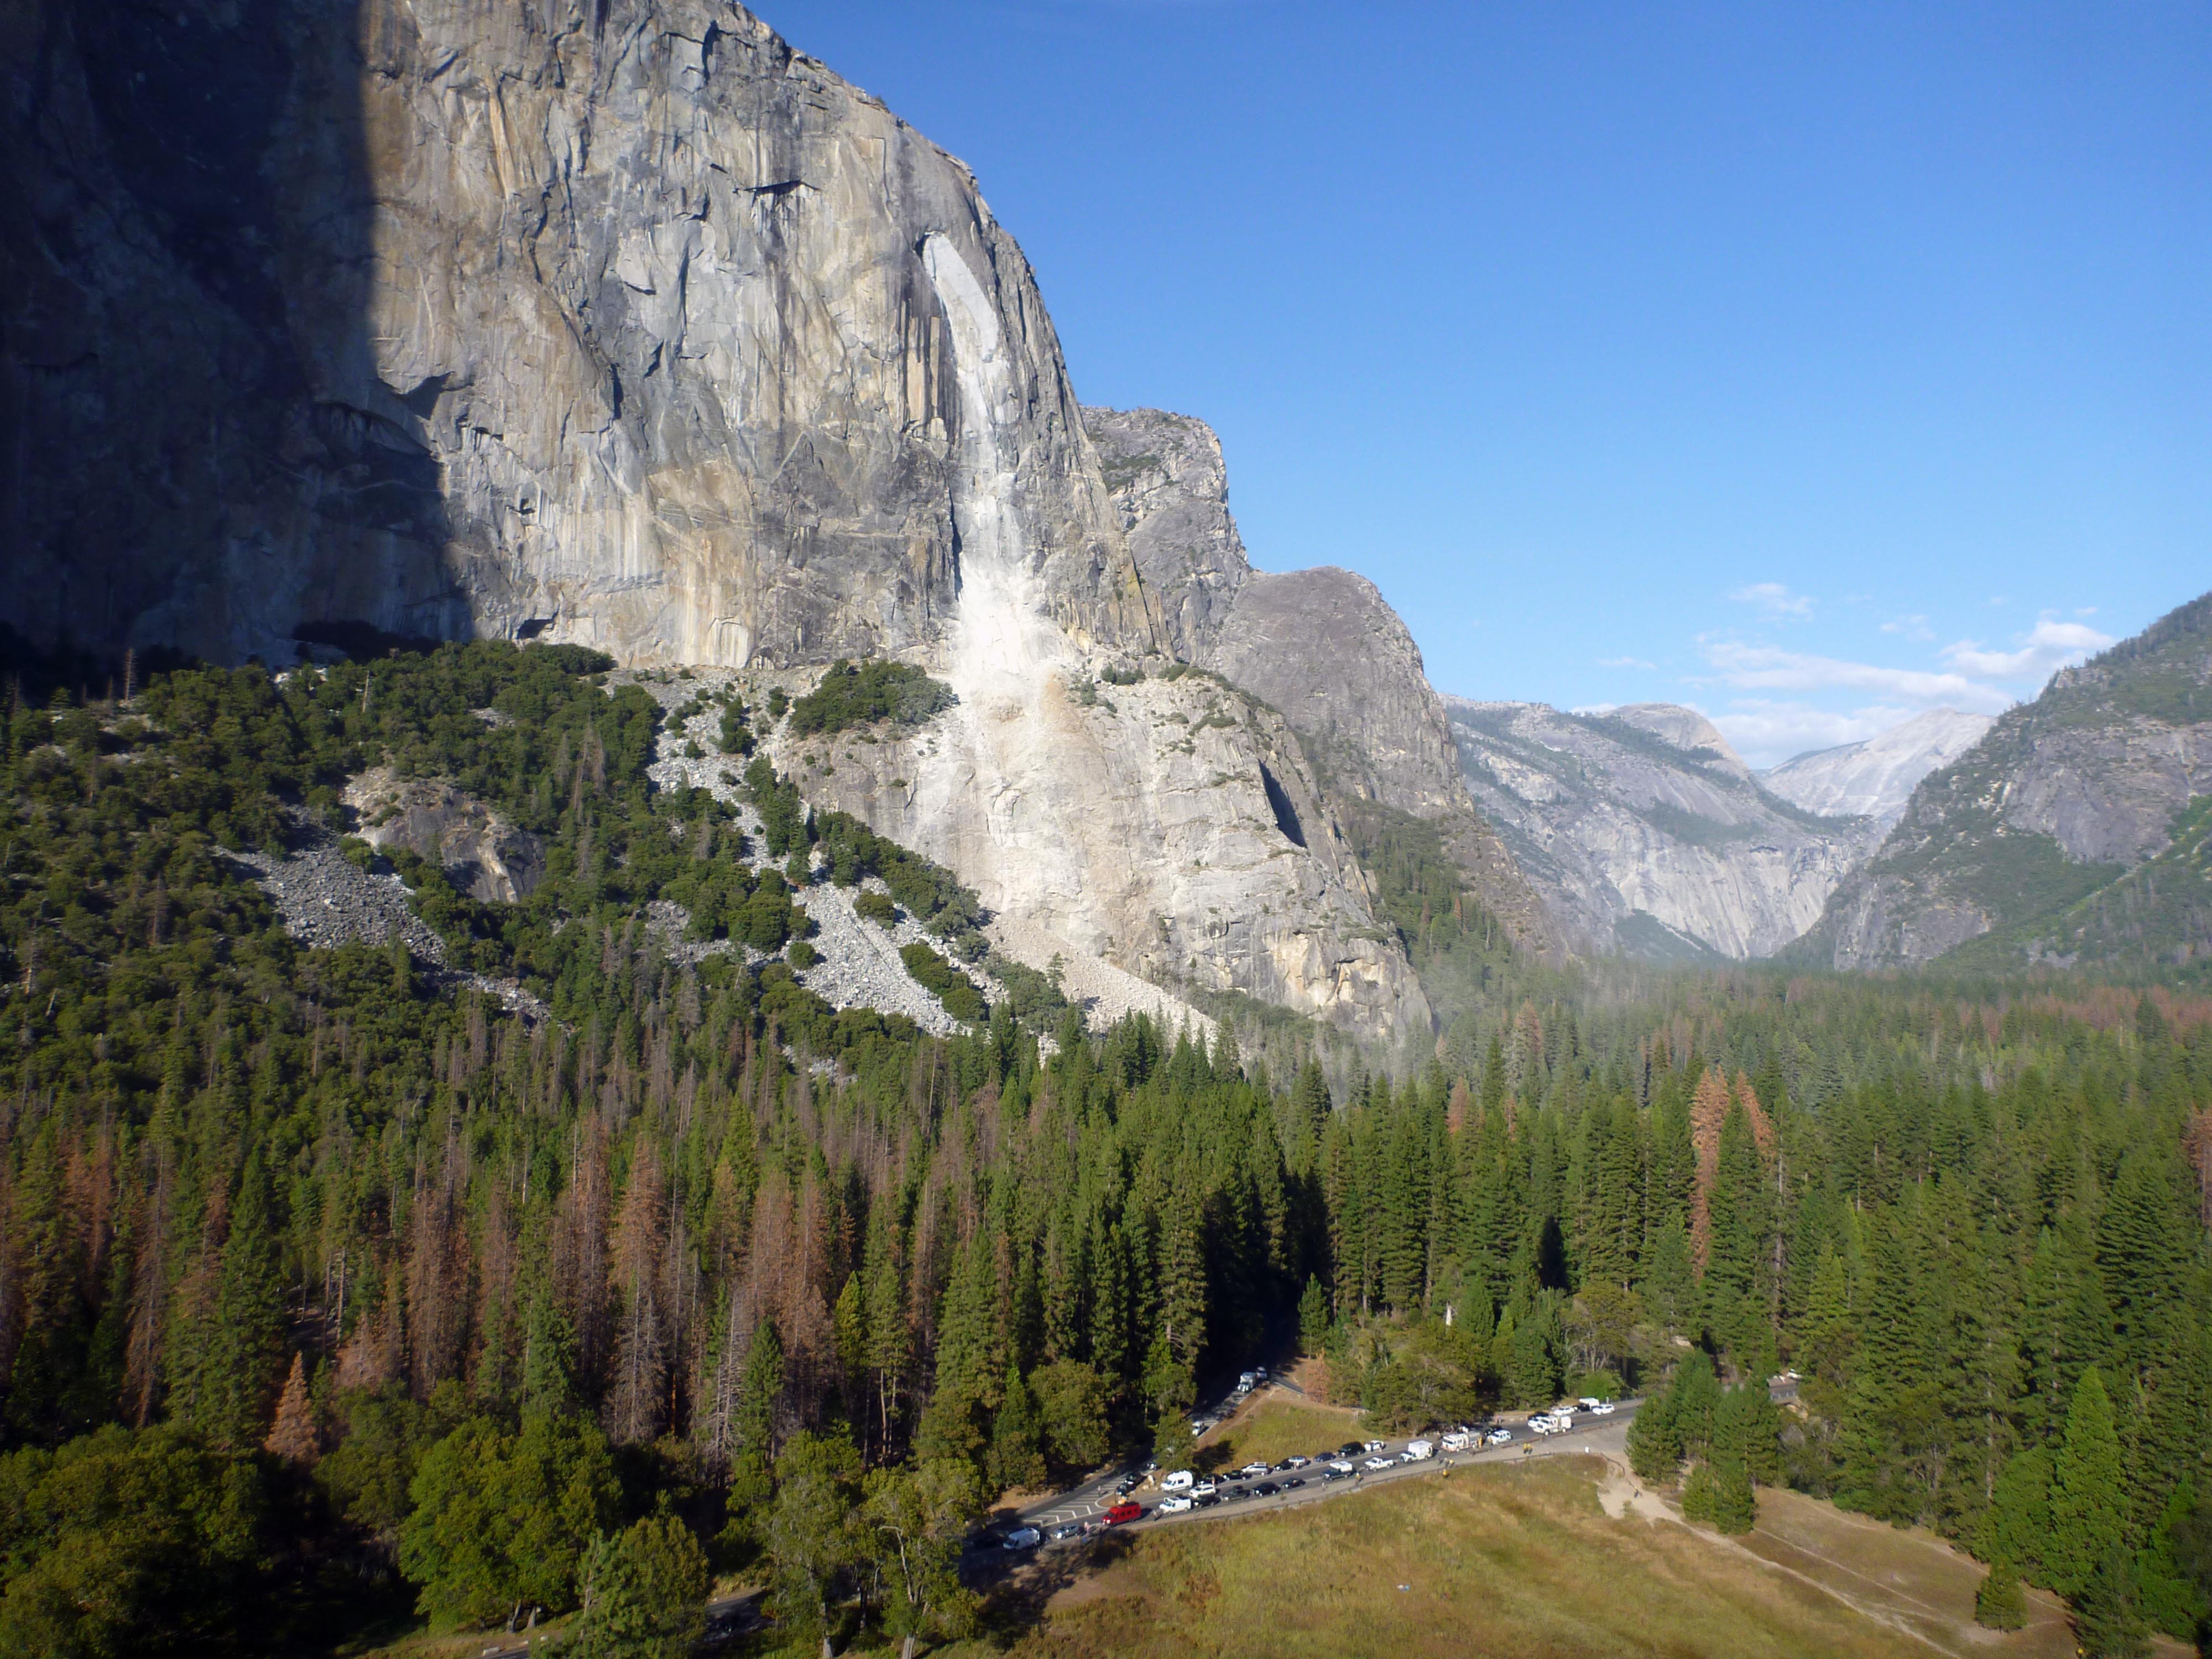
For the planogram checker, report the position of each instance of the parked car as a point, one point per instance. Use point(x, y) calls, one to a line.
point(1603, 1409)
point(1177, 1505)
point(1181, 1481)
point(1335, 1472)
point(1294, 1462)
point(1375, 1463)
point(1022, 1538)
point(1295, 1482)
point(1266, 1489)
point(1497, 1438)
point(1204, 1501)
point(1458, 1440)
point(1540, 1423)
point(1341, 1464)
point(1372, 1445)
point(1072, 1529)
point(1352, 1448)
point(1205, 1489)
point(1257, 1465)
point(1419, 1451)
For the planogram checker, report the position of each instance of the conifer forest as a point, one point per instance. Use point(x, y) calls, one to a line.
point(583, 1264)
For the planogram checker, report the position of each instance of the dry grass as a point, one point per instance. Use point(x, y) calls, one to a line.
point(1517, 1562)
point(1274, 1428)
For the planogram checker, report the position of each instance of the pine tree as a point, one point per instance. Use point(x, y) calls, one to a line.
point(294, 1438)
point(243, 1341)
point(2087, 1503)
point(1999, 1603)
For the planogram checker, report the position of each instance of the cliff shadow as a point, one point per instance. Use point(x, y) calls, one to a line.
point(198, 450)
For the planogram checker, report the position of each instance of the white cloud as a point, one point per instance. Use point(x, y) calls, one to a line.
point(1625, 662)
point(1773, 599)
point(1914, 626)
point(1767, 734)
point(1767, 668)
point(2047, 647)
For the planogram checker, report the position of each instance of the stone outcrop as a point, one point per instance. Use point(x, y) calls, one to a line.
point(1645, 833)
point(1322, 647)
point(483, 855)
point(2058, 803)
point(1876, 778)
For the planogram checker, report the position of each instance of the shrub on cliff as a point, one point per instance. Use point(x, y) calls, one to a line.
point(856, 694)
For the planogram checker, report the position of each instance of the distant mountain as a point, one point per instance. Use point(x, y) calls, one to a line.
point(1874, 779)
point(2074, 831)
point(1645, 833)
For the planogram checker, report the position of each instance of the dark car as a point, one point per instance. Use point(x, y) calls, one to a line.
point(1122, 1514)
point(1266, 1489)
point(1352, 1448)
point(1293, 1484)
point(1206, 1502)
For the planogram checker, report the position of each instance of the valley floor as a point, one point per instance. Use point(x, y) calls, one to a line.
point(1512, 1561)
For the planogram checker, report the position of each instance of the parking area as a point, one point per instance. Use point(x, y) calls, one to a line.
point(1164, 1498)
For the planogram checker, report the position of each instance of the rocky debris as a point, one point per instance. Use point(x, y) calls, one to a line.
point(1645, 832)
point(327, 900)
point(484, 855)
point(1102, 991)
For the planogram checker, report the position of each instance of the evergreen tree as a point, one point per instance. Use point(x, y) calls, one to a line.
point(1999, 1603)
point(644, 1594)
point(2087, 1505)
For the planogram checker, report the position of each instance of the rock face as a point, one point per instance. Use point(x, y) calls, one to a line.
point(1171, 490)
point(1874, 779)
point(622, 323)
point(626, 325)
point(485, 856)
point(2063, 798)
point(1645, 833)
point(1169, 827)
point(1322, 647)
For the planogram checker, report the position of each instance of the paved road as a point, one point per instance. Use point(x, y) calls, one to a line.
point(1085, 1507)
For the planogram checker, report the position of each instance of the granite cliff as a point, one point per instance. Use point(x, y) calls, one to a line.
point(1874, 779)
point(1646, 834)
point(1321, 647)
point(626, 325)
point(2071, 832)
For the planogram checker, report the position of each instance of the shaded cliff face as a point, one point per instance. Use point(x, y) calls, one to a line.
point(1646, 834)
point(2032, 836)
point(621, 324)
point(1322, 647)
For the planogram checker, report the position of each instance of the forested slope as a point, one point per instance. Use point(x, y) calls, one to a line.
point(344, 1273)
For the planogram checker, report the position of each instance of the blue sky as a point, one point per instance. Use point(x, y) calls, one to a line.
point(1813, 365)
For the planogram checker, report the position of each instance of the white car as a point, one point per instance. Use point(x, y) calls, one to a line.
point(1174, 1506)
point(1498, 1438)
point(1418, 1451)
point(1603, 1409)
point(1375, 1463)
point(1255, 1468)
point(1022, 1538)
point(1540, 1423)
point(1374, 1445)
point(1205, 1489)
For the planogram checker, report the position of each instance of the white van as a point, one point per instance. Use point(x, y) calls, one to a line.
point(1022, 1538)
point(1419, 1451)
point(1181, 1481)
